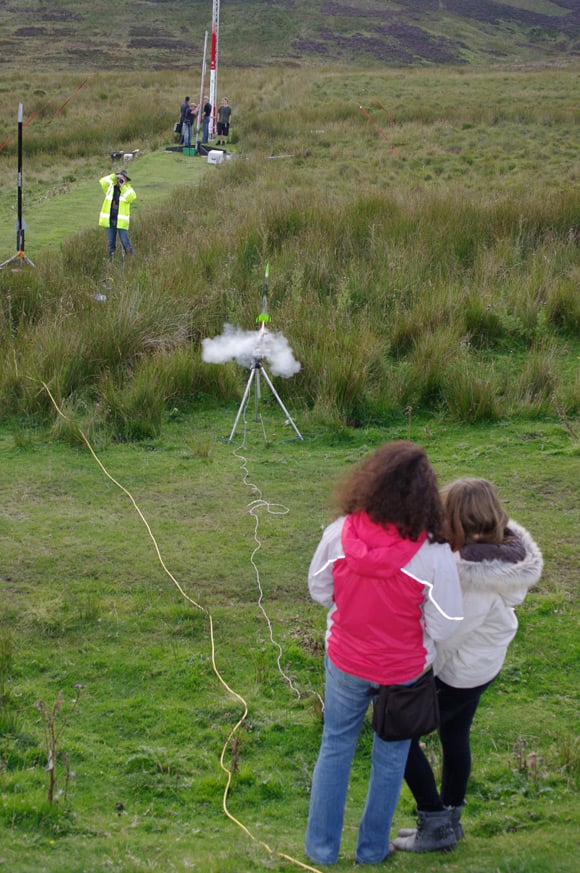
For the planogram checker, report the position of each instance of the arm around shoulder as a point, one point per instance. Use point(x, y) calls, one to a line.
point(434, 566)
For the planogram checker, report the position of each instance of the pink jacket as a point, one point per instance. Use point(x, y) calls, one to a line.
point(390, 598)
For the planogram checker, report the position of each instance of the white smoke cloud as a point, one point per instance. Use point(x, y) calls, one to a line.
point(242, 346)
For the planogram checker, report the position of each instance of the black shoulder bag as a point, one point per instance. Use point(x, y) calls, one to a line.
point(402, 712)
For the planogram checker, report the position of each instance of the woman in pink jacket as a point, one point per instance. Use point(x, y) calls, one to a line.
point(387, 575)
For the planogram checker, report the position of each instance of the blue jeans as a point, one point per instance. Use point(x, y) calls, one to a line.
point(205, 128)
point(346, 702)
point(186, 134)
point(123, 236)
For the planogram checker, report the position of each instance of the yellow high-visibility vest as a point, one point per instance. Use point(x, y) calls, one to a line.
point(126, 197)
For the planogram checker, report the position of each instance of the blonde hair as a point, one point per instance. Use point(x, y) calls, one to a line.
point(474, 513)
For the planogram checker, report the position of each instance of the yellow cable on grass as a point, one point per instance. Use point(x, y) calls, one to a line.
point(215, 669)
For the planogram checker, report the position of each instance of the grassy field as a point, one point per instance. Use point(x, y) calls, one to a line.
point(56, 216)
point(86, 602)
point(422, 230)
point(412, 263)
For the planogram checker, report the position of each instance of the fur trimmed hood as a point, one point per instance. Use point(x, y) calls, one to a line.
point(500, 576)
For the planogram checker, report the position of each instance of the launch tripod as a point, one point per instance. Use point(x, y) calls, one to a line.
point(256, 371)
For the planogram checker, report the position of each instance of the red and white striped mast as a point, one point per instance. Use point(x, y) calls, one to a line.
point(201, 93)
point(213, 68)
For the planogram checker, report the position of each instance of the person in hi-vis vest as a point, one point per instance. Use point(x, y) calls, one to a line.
point(116, 210)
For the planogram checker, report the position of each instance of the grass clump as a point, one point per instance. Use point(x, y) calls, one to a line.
point(392, 289)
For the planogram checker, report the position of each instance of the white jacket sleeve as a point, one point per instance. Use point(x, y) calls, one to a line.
point(434, 566)
point(320, 578)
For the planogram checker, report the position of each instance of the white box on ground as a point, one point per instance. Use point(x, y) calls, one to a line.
point(215, 157)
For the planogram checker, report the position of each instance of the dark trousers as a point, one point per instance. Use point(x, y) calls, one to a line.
point(123, 236)
point(457, 708)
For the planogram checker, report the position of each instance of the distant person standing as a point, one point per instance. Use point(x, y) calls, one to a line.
point(206, 118)
point(183, 110)
point(187, 124)
point(116, 210)
point(223, 122)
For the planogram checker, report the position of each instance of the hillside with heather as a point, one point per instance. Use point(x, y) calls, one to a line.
point(170, 33)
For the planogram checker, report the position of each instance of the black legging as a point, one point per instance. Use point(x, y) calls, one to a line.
point(457, 708)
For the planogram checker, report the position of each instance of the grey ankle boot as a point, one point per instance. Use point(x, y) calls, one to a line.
point(455, 821)
point(434, 833)
point(455, 813)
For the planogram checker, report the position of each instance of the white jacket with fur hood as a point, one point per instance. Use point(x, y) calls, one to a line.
point(493, 579)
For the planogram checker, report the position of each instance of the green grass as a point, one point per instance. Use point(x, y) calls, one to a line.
point(424, 268)
point(423, 264)
point(86, 600)
point(52, 220)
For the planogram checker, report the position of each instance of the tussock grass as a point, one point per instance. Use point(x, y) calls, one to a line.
point(412, 271)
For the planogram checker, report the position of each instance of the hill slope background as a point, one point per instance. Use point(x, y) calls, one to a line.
point(170, 33)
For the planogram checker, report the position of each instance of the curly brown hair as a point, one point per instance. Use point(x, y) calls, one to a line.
point(397, 485)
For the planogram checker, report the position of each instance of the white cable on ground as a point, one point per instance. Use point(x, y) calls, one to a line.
point(274, 509)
